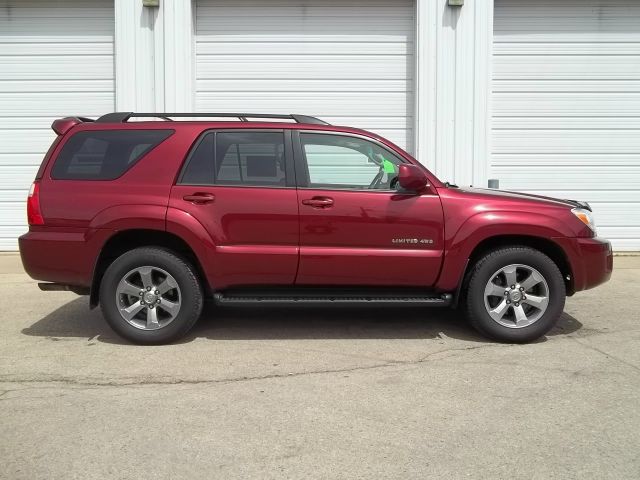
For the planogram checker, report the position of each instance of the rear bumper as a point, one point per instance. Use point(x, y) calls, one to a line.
point(66, 257)
point(591, 261)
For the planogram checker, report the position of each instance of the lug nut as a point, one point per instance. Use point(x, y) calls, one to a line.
point(140, 294)
point(512, 287)
point(157, 292)
point(506, 292)
point(141, 302)
point(522, 289)
point(508, 301)
point(150, 306)
point(149, 288)
point(517, 304)
point(158, 301)
point(524, 297)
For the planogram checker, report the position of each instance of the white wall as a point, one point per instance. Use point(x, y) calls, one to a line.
point(155, 71)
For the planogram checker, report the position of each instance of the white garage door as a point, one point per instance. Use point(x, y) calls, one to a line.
point(566, 121)
point(56, 59)
point(349, 62)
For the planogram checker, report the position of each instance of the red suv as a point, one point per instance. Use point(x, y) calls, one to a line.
point(151, 217)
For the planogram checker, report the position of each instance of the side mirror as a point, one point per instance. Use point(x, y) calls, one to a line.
point(412, 178)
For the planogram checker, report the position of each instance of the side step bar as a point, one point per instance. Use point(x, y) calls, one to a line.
point(248, 299)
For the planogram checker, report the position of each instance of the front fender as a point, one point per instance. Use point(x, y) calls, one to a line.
point(462, 239)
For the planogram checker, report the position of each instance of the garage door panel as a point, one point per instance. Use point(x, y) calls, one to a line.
point(565, 8)
point(297, 66)
point(56, 59)
point(21, 10)
point(615, 214)
point(590, 49)
point(602, 177)
point(565, 159)
point(566, 105)
point(62, 86)
point(15, 196)
point(20, 159)
point(293, 8)
point(306, 85)
point(629, 124)
point(329, 104)
point(304, 48)
point(13, 213)
point(60, 104)
point(531, 141)
point(569, 190)
point(348, 62)
point(56, 49)
point(563, 67)
point(17, 177)
point(9, 236)
point(629, 234)
point(563, 86)
point(44, 27)
point(393, 28)
point(13, 141)
point(57, 67)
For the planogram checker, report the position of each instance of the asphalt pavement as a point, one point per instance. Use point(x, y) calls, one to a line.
point(296, 393)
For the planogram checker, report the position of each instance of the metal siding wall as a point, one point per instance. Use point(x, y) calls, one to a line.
point(56, 59)
point(349, 62)
point(566, 95)
point(453, 101)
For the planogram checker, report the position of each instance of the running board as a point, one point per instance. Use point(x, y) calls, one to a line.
point(242, 298)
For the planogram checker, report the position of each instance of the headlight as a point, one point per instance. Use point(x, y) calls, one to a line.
point(585, 217)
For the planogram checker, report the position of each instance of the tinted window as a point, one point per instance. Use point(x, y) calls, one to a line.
point(199, 169)
point(237, 158)
point(104, 154)
point(337, 161)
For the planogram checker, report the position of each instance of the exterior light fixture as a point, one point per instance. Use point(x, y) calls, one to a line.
point(456, 3)
point(150, 3)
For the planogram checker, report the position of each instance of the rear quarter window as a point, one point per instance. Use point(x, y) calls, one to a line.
point(104, 154)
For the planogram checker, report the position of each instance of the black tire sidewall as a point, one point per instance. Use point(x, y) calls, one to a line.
point(483, 272)
point(182, 272)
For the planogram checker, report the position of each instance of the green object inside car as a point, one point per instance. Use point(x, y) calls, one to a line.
point(388, 166)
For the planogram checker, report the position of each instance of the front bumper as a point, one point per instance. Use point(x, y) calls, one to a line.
point(591, 261)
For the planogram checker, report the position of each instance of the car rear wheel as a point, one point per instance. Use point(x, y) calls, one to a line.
point(151, 296)
point(515, 294)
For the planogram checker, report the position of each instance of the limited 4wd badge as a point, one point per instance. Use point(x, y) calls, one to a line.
point(422, 241)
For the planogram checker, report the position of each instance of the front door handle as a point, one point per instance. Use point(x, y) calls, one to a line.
point(318, 202)
point(200, 198)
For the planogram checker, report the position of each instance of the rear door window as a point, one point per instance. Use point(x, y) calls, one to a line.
point(237, 158)
point(104, 154)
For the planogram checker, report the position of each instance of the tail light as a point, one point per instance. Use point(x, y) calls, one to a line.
point(34, 214)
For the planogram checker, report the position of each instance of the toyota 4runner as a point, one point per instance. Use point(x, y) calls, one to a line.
point(151, 217)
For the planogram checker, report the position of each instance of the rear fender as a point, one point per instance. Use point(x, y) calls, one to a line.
point(187, 227)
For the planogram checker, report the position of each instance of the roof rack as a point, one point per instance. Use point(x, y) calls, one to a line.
point(119, 117)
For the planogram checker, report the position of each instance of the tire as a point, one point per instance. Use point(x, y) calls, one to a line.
point(518, 315)
point(165, 311)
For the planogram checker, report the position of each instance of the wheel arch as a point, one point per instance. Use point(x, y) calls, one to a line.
point(544, 245)
point(126, 240)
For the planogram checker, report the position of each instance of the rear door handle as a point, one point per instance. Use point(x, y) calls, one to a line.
point(200, 198)
point(318, 202)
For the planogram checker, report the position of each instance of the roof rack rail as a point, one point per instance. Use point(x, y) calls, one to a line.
point(119, 117)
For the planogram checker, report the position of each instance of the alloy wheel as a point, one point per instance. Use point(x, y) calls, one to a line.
point(148, 298)
point(516, 296)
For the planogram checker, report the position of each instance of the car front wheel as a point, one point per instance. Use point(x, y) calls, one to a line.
point(515, 294)
point(150, 296)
